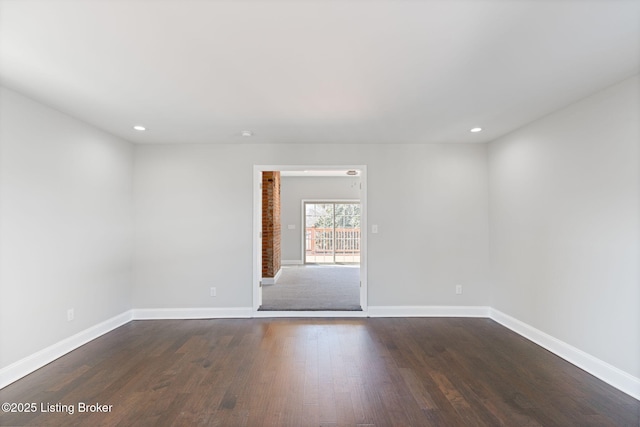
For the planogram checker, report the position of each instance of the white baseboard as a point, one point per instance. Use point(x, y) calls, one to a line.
point(192, 313)
point(291, 262)
point(37, 360)
point(272, 280)
point(596, 367)
point(428, 311)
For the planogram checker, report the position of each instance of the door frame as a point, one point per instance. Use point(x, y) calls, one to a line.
point(257, 240)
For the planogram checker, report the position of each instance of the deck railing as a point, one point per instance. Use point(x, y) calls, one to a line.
point(323, 242)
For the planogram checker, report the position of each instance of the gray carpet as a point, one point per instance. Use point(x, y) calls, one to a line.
point(314, 288)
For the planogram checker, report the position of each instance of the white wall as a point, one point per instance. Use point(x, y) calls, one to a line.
point(65, 226)
point(564, 209)
point(295, 189)
point(194, 218)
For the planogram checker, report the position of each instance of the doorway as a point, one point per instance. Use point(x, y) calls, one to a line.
point(346, 241)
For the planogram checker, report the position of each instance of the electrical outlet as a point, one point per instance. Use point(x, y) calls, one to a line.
point(212, 292)
point(70, 315)
point(459, 289)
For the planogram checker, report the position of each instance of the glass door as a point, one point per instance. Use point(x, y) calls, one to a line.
point(332, 232)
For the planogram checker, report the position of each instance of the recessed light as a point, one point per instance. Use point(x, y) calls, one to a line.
point(476, 129)
point(140, 128)
point(246, 133)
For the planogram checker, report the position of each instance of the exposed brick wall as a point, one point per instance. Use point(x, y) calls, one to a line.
point(270, 223)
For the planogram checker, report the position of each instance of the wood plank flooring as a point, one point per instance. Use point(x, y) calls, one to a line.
point(317, 372)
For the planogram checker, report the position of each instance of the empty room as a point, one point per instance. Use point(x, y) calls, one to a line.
point(465, 174)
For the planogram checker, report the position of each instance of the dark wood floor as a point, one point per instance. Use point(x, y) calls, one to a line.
point(318, 372)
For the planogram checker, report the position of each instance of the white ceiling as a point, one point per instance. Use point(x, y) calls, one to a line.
point(315, 71)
